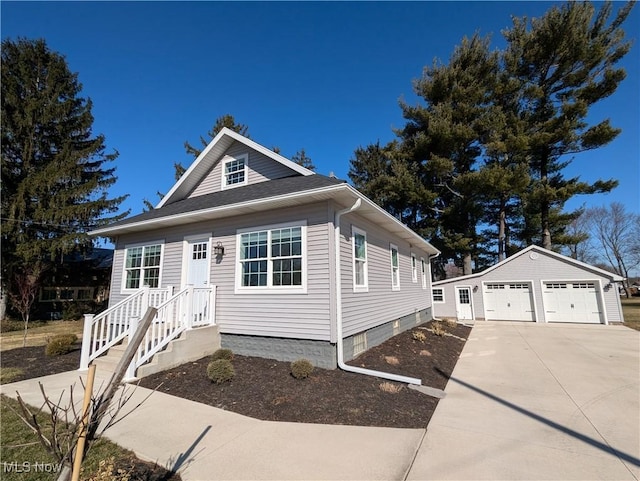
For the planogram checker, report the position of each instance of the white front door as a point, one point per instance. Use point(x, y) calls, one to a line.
point(198, 262)
point(464, 311)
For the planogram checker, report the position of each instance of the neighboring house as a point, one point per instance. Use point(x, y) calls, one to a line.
point(256, 235)
point(533, 285)
point(80, 282)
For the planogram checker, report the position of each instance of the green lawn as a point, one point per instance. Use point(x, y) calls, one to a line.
point(631, 311)
point(20, 450)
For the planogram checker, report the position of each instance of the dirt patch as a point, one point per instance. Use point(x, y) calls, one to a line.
point(265, 389)
point(33, 362)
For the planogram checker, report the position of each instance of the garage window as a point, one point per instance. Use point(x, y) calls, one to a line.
point(555, 285)
point(438, 295)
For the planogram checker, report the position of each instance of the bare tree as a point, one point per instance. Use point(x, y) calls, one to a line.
point(580, 246)
point(616, 231)
point(27, 284)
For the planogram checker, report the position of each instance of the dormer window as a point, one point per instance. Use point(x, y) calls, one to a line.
point(235, 171)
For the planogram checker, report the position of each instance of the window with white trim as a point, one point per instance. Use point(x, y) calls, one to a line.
point(414, 268)
point(234, 171)
point(423, 272)
point(271, 258)
point(438, 294)
point(142, 266)
point(395, 267)
point(360, 265)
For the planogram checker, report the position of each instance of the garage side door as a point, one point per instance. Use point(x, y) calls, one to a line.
point(575, 301)
point(508, 301)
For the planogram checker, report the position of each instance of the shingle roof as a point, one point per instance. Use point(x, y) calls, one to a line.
point(253, 192)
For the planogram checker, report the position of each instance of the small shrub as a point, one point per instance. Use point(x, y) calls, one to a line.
point(419, 336)
point(392, 360)
point(9, 374)
point(451, 323)
point(108, 471)
point(301, 368)
point(220, 370)
point(222, 354)
point(390, 387)
point(438, 329)
point(60, 344)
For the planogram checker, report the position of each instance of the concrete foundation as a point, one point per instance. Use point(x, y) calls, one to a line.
point(321, 353)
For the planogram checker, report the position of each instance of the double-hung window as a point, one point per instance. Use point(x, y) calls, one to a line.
point(142, 266)
point(414, 268)
point(235, 171)
point(423, 272)
point(272, 258)
point(360, 265)
point(395, 267)
point(438, 294)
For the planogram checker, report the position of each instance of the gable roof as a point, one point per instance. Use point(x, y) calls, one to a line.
point(541, 250)
point(211, 154)
point(264, 196)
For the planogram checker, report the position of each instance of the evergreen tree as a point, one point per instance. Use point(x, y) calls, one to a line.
point(54, 170)
point(226, 120)
point(444, 137)
point(566, 62)
point(301, 158)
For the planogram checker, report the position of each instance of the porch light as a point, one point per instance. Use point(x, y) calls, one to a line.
point(218, 250)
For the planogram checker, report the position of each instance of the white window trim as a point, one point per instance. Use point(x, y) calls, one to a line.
point(414, 268)
point(269, 289)
point(186, 253)
point(423, 272)
point(393, 247)
point(433, 298)
point(123, 288)
point(365, 287)
point(227, 159)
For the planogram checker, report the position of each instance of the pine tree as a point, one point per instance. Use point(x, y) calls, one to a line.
point(54, 170)
point(226, 120)
point(444, 137)
point(566, 62)
point(301, 158)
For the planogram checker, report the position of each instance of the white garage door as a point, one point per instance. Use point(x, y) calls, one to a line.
point(571, 302)
point(508, 301)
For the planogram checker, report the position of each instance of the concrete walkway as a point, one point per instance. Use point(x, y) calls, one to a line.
point(526, 401)
point(538, 401)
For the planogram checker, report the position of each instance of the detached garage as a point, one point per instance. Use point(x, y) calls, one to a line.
point(534, 285)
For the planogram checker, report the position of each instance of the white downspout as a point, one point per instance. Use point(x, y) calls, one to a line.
point(341, 363)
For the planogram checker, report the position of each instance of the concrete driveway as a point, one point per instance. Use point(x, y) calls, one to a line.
point(538, 401)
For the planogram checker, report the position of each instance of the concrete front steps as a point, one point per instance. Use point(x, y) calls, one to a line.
point(191, 345)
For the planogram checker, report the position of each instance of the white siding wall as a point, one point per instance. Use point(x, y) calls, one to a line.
point(281, 315)
point(381, 304)
point(523, 268)
point(261, 168)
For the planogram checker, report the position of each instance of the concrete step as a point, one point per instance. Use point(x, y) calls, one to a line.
point(191, 345)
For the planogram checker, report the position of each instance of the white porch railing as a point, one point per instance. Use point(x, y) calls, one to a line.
point(191, 307)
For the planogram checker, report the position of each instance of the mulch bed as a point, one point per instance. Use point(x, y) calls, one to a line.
point(264, 388)
point(34, 362)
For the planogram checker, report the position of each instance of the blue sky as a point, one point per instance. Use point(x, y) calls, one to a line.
point(323, 76)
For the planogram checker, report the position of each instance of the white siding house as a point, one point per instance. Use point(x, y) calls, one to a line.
point(259, 230)
point(535, 285)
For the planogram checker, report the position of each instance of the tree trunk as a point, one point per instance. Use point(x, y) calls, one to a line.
point(466, 264)
point(502, 237)
point(26, 326)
